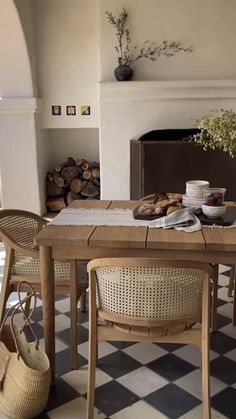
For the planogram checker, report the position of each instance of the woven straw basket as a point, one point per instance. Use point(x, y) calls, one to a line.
point(25, 374)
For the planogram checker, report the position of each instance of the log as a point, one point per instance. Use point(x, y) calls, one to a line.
point(49, 176)
point(55, 203)
point(71, 196)
point(96, 173)
point(58, 179)
point(79, 162)
point(90, 165)
point(90, 190)
point(70, 172)
point(53, 189)
point(75, 185)
point(70, 161)
point(96, 182)
point(60, 166)
point(87, 174)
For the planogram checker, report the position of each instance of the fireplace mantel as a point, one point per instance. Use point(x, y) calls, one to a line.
point(179, 89)
point(130, 109)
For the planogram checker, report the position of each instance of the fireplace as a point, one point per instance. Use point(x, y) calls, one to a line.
point(163, 160)
point(129, 109)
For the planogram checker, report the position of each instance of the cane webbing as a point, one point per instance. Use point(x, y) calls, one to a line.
point(150, 292)
point(22, 229)
point(27, 265)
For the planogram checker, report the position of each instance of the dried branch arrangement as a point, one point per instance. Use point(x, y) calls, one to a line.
point(151, 50)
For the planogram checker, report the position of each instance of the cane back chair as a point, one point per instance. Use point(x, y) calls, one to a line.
point(149, 300)
point(215, 277)
point(18, 229)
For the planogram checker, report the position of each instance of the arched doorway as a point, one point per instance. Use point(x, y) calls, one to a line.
point(18, 141)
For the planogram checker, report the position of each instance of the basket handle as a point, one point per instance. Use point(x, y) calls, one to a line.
point(19, 305)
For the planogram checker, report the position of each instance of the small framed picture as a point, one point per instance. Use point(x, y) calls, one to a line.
point(85, 110)
point(56, 110)
point(71, 110)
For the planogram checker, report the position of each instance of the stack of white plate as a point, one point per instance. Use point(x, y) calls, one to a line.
point(194, 196)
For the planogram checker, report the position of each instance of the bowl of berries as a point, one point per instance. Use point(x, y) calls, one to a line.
point(213, 206)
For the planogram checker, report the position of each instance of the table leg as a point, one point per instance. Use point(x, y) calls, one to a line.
point(234, 302)
point(48, 300)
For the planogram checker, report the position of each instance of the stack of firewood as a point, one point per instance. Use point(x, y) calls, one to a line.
point(74, 179)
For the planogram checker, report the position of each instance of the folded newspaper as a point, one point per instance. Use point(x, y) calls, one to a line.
point(182, 219)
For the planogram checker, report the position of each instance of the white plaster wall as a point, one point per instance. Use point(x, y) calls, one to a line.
point(67, 59)
point(208, 25)
point(18, 157)
point(79, 143)
point(15, 72)
point(129, 110)
point(23, 152)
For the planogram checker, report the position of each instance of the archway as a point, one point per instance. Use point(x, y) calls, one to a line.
point(18, 145)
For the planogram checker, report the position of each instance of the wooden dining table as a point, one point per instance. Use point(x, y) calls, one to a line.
point(79, 242)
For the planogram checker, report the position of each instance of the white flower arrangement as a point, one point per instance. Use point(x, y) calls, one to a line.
point(218, 131)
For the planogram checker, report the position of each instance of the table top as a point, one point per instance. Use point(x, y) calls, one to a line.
point(209, 238)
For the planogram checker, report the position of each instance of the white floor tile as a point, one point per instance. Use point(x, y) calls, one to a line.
point(192, 354)
point(104, 349)
point(196, 413)
point(226, 310)
point(78, 379)
point(223, 280)
point(144, 352)
point(229, 330)
point(139, 410)
point(142, 381)
point(192, 383)
point(223, 294)
point(76, 409)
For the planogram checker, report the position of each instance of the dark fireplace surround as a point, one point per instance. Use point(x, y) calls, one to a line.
point(163, 160)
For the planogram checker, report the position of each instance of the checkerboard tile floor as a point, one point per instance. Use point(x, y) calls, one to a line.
point(136, 381)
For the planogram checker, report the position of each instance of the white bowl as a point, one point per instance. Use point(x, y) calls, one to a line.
point(195, 188)
point(193, 184)
point(213, 212)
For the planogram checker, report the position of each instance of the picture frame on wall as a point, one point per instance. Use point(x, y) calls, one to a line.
point(85, 110)
point(71, 110)
point(56, 110)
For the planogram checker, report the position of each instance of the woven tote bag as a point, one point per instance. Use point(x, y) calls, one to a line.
point(25, 374)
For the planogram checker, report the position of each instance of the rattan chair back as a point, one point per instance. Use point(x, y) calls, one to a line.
point(148, 300)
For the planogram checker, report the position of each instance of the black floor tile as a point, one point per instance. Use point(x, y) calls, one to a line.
point(113, 397)
point(172, 401)
point(225, 402)
point(63, 362)
point(170, 367)
point(170, 347)
point(224, 369)
point(82, 335)
point(118, 364)
point(60, 394)
point(221, 343)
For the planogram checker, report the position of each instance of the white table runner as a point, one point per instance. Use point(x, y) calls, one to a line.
point(124, 217)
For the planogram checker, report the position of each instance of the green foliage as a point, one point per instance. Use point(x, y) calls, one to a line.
point(218, 131)
point(150, 50)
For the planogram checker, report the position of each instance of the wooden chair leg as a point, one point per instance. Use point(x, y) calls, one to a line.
point(215, 274)
point(231, 281)
point(205, 353)
point(73, 315)
point(92, 351)
point(234, 305)
point(82, 301)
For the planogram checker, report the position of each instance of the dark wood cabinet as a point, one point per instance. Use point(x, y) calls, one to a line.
point(164, 160)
